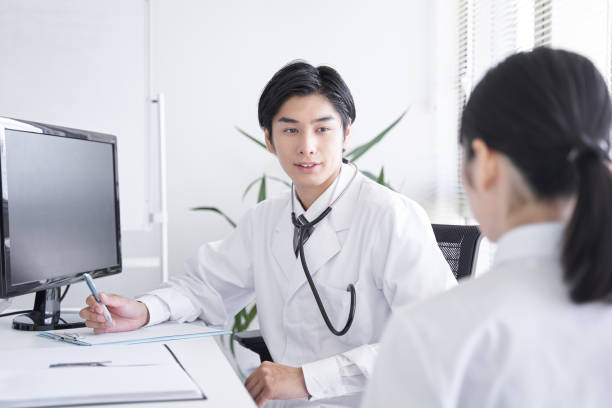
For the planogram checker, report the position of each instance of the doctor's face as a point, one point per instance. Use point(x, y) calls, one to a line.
point(308, 138)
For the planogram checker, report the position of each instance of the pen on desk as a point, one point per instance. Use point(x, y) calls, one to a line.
point(80, 364)
point(94, 292)
point(99, 364)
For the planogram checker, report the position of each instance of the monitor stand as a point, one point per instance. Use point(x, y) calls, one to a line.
point(46, 314)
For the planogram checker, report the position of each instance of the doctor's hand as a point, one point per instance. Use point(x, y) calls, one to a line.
point(275, 381)
point(128, 314)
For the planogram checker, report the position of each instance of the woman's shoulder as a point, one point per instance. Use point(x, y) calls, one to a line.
point(480, 302)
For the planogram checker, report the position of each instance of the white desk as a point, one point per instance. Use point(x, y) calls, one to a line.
point(201, 357)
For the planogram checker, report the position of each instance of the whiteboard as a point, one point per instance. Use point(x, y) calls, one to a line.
point(84, 64)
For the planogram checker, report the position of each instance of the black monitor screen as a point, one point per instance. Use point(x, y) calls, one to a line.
point(61, 201)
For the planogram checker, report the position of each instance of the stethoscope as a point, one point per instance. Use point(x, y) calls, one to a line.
point(303, 230)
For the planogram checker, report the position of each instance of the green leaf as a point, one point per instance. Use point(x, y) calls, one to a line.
point(241, 320)
point(262, 189)
point(359, 151)
point(375, 178)
point(251, 184)
point(218, 211)
point(381, 176)
point(251, 137)
point(251, 315)
point(369, 175)
point(235, 329)
point(231, 342)
point(237, 318)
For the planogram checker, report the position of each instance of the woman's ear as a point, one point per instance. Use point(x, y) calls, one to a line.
point(269, 143)
point(485, 170)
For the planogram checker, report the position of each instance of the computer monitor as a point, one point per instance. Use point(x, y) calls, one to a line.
point(60, 215)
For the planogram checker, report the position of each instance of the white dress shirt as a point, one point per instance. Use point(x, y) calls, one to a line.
point(510, 338)
point(373, 238)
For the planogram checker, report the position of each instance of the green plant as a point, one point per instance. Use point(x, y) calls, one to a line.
point(243, 319)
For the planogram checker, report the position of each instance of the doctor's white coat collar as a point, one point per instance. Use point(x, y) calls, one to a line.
point(323, 244)
point(338, 216)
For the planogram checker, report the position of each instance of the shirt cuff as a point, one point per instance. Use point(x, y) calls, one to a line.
point(158, 309)
point(323, 379)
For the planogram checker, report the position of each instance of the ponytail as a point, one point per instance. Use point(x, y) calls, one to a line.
point(587, 249)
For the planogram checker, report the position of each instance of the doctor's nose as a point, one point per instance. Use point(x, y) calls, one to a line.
point(308, 144)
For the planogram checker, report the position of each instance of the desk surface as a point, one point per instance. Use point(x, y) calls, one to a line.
point(201, 357)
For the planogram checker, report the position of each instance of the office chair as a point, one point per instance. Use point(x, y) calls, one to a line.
point(459, 245)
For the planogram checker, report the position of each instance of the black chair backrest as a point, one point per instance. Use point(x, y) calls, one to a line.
point(459, 245)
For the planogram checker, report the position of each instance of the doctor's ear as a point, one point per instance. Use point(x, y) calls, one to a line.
point(347, 137)
point(269, 144)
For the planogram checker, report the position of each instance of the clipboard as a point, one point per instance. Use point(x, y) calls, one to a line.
point(166, 331)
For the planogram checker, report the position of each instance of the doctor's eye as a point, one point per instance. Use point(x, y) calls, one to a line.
point(323, 129)
point(290, 130)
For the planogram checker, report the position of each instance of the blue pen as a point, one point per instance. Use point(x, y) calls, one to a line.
point(94, 292)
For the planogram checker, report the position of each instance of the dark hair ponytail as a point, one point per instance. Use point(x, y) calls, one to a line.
point(549, 112)
point(587, 253)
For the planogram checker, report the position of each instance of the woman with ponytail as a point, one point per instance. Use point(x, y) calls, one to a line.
point(536, 330)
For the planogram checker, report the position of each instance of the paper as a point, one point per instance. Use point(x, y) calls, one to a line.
point(145, 373)
point(85, 336)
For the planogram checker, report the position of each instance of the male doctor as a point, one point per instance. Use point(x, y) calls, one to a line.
point(374, 239)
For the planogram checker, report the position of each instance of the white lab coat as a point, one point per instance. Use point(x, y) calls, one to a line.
point(511, 338)
point(374, 238)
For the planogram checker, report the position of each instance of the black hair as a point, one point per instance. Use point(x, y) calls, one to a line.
point(300, 78)
point(548, 111)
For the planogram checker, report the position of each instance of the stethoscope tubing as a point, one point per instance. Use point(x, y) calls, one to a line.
point(315, 292)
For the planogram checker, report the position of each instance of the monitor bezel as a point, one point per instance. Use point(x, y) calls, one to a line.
point(7, 288)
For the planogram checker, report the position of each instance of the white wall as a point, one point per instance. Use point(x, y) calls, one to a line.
point(83, 65)
point(212, 59)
